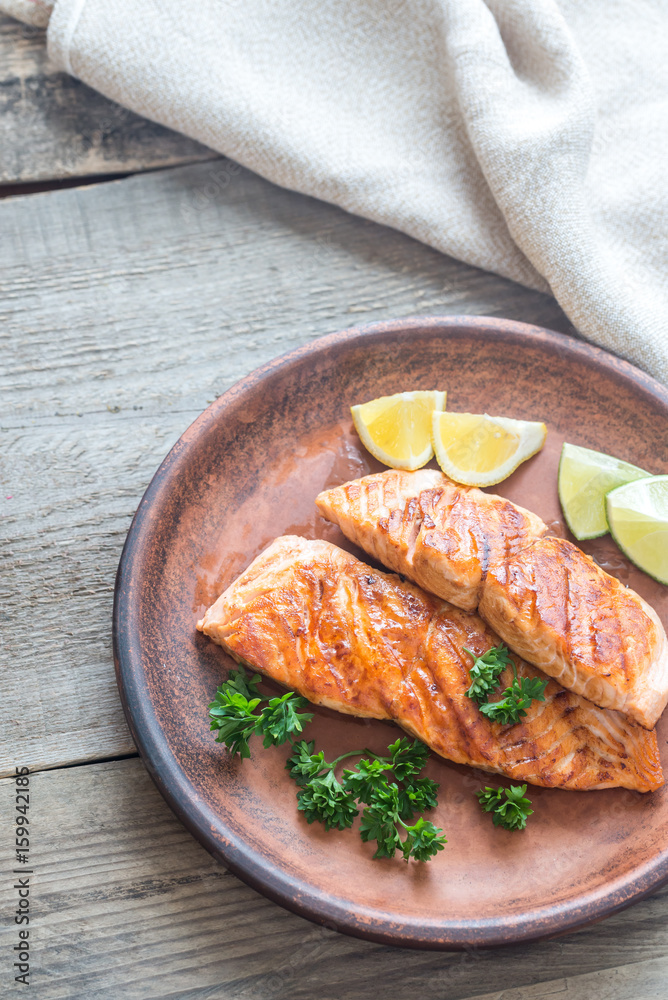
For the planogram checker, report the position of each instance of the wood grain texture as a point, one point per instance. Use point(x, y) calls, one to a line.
point(52, 126)
point(127, 904)
point(124, 309)
point(638, 981)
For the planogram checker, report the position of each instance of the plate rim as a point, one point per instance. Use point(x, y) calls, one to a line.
point(301, 897)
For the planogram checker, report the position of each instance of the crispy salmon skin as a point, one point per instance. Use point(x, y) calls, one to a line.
point(548, 600)
point(367, 643)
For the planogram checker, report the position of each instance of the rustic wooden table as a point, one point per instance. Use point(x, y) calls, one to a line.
point(126, 306)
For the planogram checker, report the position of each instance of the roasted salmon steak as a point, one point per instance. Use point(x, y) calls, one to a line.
point(553, 605)
point(344, 635)
point(549, 601)
point(442, 536)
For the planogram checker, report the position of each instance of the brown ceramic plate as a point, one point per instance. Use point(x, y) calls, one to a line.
point(248, 470)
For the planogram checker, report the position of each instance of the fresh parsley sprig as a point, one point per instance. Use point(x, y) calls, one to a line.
point(516, 699)
point(390, 804)
point(324, 799)
point(388, 786)
point(486, 671)
point(234, 717)
point(423, 841)
point(485, 675)
point(237, 713)
point(508, 806)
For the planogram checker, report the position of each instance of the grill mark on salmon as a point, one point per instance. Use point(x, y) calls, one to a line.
point(544, 597)
point(442, 536)
point(593, 635)
point(319, 621)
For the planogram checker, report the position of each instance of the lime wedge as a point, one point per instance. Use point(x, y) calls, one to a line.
point(638, 517)
point(585, 477)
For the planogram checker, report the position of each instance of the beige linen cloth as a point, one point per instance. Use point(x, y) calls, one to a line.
point(526, 137)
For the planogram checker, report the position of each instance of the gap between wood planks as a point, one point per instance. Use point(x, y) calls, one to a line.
point(84, 763)
point(39, 187)
point(53, 126)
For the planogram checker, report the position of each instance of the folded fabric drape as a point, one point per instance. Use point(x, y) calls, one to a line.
point(526, 137)
point(35, 12)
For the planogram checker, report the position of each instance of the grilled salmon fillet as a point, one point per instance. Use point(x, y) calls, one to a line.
point(553, 605)
point(442, 536)
point(548, 600)
point(366, 643)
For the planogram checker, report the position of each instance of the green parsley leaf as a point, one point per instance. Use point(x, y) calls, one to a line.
point(280, 718)
point(367, 779)
point(389, 803)
point(419, 795)
point(423, 841)
point(326, 800)
point(516, 699)
point(486, 671)
point(233, 715)
point(509, 808)
point(379, 823)
point(303, 764)
point(386, 798)
point(238, 680)
point(408, 757)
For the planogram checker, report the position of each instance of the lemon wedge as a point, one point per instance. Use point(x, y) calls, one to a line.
point(397, 429)
point(478, 450)
point(585, 476)
point(638, 518)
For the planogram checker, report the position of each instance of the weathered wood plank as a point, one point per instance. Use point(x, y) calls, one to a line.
point(124, 309)
point(126, 904)
point(638, 981)
point(52, 126)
